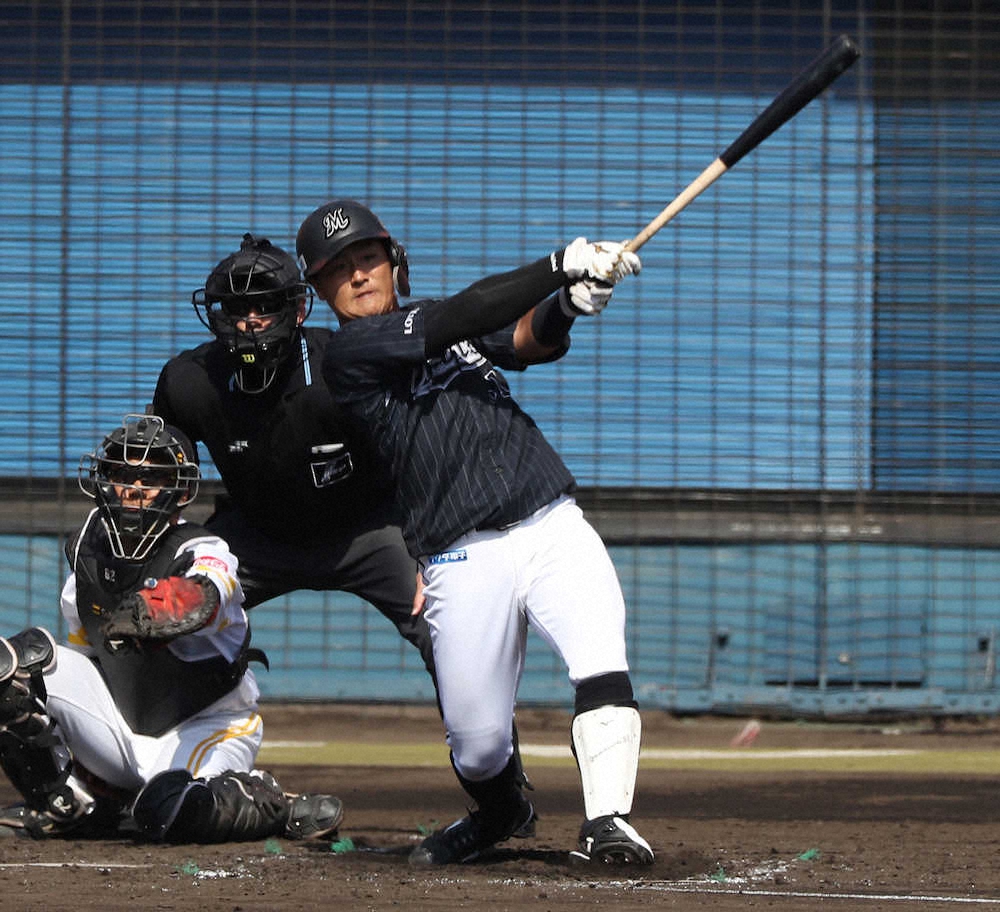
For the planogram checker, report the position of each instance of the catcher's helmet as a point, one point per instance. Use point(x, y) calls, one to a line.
point(143, 451)
point(338, 224)
point(262, 279)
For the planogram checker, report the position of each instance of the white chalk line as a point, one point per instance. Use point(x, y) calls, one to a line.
point(103, 865)
point(680, 887)
point(714, 887)
point(664, 886)
point(741, 885)
point(203, 874)
point(708, 888)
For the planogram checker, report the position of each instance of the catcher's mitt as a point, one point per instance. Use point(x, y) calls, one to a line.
point(166, 608)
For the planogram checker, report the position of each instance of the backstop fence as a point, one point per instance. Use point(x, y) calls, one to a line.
point(785, 429)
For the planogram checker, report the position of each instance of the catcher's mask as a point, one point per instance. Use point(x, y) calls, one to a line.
point(260, 281)
point(336, 225)
point(142, 456)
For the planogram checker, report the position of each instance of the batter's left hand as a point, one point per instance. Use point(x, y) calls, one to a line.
point(608, 261)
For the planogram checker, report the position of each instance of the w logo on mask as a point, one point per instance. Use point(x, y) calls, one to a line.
point(335, 221)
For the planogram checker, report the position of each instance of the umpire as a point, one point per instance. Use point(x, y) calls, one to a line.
point(304, 507)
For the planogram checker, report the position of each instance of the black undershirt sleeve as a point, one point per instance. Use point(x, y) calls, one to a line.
point(549, 323)
point(489, 304)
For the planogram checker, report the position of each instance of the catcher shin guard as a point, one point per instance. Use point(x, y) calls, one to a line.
point(63, 809)
point(231, 807)
point(606, 747)
point(32, 752)
point(24, 660)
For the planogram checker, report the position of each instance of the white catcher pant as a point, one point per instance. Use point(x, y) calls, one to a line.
point(224, 736)
point(551, 571)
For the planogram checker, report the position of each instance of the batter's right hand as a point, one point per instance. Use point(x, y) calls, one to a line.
point(586, 298)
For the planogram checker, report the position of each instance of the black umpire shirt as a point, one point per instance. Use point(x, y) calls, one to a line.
point(285, 455)
point(462, 454)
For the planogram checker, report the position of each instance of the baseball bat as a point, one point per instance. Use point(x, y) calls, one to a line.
point(794, 97)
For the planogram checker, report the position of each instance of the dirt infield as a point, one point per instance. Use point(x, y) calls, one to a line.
point(727, 838)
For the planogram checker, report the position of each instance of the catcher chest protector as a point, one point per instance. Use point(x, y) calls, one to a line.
point(153, 689)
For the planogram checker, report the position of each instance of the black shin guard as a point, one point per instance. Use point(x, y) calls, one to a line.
point(32, 754)
point(31, 766)
point(231, 807)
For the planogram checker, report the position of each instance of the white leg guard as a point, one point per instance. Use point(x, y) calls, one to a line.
point(606, 746)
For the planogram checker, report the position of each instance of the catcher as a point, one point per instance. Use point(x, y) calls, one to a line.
point(147, 719)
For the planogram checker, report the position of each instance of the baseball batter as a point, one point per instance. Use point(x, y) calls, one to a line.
point(150, 706)
point(488, 511)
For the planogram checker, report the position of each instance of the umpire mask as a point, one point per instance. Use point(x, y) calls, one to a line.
point(251, 303)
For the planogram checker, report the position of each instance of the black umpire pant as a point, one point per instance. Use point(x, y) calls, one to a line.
point(372, 563)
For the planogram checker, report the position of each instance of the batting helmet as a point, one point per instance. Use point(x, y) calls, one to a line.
point(338, 224)
point(142, 451)
point(263, 279)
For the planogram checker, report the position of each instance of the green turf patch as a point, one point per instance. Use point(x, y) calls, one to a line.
point(356, 753)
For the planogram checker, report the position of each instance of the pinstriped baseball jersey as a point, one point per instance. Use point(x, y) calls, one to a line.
point(462, 453)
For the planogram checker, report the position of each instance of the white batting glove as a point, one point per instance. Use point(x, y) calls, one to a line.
point(586, 298)
point(605, 260)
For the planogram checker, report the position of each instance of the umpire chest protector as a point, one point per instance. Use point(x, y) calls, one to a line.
point(152, 688)
point(288, 457)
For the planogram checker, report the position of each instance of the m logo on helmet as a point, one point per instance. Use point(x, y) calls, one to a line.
point(335, 221)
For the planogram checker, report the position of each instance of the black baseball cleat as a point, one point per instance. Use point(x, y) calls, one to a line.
point(611, 840)
point(467, 839)
point(313, 816)
point(62, 820)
